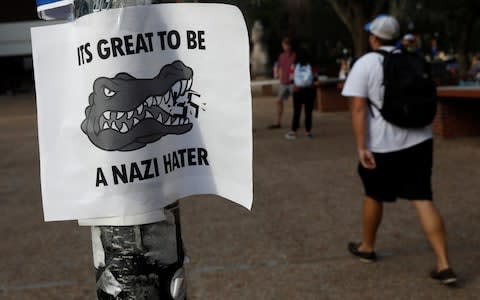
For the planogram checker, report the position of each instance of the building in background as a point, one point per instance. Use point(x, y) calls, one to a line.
point(16, 18)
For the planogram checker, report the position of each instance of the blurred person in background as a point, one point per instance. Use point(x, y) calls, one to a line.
point(303, 95)
point(283, 71)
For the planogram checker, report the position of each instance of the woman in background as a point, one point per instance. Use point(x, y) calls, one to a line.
point(303, 95)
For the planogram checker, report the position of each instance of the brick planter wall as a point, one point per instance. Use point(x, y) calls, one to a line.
point(457, 117)
point(329, 98)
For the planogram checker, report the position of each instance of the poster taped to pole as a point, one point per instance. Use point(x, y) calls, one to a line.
point(141, 106)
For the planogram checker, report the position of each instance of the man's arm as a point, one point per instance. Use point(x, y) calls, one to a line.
point(278, 69)
point(360, 128)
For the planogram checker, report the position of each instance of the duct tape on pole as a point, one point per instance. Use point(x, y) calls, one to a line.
point(55, 9)
point(151, 107)
point(140, 261)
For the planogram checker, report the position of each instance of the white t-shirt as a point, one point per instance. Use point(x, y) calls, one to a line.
point(365, 80)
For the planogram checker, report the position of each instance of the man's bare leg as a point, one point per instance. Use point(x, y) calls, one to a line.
point(279, 114)
point(279, 111)
point(372, 217)
point(432, 224)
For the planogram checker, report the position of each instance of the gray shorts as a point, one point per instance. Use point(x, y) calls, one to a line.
point(285, 91)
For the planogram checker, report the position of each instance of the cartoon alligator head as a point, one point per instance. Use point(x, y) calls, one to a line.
point(126, 113)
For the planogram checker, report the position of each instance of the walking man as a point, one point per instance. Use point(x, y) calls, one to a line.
point(284, 71)
point(394, 162)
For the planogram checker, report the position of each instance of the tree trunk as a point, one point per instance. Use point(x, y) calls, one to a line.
point(359, 35)
point(398, 8)
point(299, 18)
point(355, 14)
point(464, 35)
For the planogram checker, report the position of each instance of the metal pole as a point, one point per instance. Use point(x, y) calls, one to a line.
point(141, 261)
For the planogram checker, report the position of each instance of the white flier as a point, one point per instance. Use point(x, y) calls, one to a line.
point(139, 126)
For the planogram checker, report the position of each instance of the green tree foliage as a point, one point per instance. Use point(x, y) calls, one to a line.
point(312, 24)
point(454, 23)
point(327, 26)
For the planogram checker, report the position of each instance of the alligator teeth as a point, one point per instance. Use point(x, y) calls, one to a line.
point(129, 115)
point(148, 115)
point(163, 103)
point(184, 86)
point(135, 121)
point(119, 115)
point(140, 109)
point(181, 100)
point(167, 97)
point(176, 121)
point(149, 101)
point(114, 126)
point(124, 128)
point(160, 119)
point(185, 121)
point(105, 125)
point(106, 115)
point(176, 88)
point(167, 122)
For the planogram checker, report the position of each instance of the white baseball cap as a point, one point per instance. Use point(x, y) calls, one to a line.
point(409, 37)
point(384, 26)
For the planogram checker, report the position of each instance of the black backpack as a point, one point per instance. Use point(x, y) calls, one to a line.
point(410, 99)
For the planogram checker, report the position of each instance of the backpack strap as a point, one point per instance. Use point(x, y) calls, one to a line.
point(384, 53)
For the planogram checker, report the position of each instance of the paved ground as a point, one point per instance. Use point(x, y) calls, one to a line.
point(291, 246)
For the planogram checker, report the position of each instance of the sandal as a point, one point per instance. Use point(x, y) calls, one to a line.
point(445, 276)
point(366, 257)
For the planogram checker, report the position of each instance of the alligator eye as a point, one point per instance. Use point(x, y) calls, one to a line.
point(108, 92)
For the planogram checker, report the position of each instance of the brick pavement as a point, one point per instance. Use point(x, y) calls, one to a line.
point(291, 246)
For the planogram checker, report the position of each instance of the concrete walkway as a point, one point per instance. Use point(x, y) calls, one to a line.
point(291, 246)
